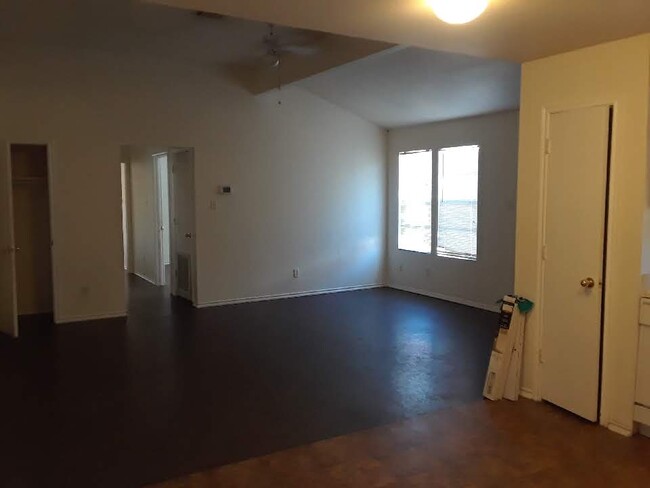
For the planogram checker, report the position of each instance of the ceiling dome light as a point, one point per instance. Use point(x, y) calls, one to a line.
point(458, 11)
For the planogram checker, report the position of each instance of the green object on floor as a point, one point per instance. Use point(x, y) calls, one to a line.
point(525, 305)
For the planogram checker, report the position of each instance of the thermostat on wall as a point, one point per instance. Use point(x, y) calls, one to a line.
point(224, 190)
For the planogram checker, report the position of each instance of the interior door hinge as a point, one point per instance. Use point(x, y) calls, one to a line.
point(540, 358)
point(547, 146)
point(544, 253)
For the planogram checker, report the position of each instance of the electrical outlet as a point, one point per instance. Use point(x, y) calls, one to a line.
point(296, 273)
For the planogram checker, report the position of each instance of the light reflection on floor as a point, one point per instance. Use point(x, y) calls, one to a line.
point(416, 365)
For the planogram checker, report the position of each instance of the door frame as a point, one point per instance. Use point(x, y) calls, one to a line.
point(171, 151)
point(6, 148)
point(160, 278)
point(171, 162)
point(544, 156)
point(50, 151)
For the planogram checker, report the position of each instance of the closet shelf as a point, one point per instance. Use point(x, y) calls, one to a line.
point(29, 179)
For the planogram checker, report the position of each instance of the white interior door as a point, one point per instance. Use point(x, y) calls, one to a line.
point(163, 215)
point(183, 247)
point(8, 307)
point(574, 237)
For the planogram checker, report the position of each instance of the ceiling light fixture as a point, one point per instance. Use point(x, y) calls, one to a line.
point(458, 11)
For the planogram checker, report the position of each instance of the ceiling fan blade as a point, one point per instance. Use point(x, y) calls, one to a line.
point(300, 50)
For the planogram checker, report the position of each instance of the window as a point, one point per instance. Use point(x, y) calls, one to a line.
point(457, 202)
point(415, 196)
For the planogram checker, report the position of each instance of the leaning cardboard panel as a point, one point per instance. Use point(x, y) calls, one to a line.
point(504, 370)
point(495, 380)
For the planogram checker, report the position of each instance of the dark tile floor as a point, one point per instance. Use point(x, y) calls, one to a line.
point(174, 390)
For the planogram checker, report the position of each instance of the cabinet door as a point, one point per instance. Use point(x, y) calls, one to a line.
point(643, 373)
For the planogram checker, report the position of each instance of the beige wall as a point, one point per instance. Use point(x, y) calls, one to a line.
point(614, 73)
point(479, 283)
point(308, 177)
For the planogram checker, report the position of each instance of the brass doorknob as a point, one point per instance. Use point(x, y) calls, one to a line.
point(588, 283)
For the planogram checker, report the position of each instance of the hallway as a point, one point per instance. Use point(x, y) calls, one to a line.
point(174, 390)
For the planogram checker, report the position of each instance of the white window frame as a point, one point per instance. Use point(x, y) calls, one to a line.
point(451, 254)
point(400, 245)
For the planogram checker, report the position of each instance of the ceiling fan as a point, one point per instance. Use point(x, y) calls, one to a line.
point(275, 48)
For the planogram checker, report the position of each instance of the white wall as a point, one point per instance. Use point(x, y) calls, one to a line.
point(478, 283)
point(615, 73)
point(308, 177)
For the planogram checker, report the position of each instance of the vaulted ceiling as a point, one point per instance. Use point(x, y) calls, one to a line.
point(406, 86)
point(158, 31)
point(361, 59)
point(516, 30)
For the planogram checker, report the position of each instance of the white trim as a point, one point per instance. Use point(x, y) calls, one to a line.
point(447, 298)
point(619, 429)
point(281, 296)
point(86, 318)
point(159, 216)
point(51, 205)
point(527, 393)
point(146, 278)
point(173, 249)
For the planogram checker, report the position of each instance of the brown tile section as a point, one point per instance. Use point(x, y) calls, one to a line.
point(483, 444)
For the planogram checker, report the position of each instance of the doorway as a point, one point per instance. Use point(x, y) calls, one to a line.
point(158, 217)
point(574, 257)
point(27, 285)
point(161, 169)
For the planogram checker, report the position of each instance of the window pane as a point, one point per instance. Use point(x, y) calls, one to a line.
point(458, 202)
point(415, 173)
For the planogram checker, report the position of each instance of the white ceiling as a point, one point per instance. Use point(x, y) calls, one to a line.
point(518, 30)
point(412, 86)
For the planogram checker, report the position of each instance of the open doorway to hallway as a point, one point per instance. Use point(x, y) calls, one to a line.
point(158, 217)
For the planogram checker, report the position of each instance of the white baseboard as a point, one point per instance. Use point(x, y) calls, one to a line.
point(440, 296)
point(526, 393)
point(282, 296)
point(620, 429)
point(145, 278)
point(86, 318)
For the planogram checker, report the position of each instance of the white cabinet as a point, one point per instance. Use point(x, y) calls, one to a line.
point(643, 371)
point(642, 407)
